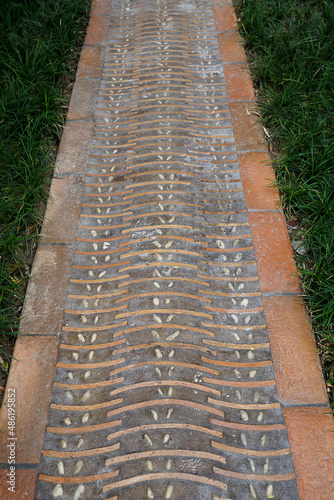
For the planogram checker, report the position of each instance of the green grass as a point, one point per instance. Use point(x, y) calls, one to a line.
point(39, 47)
point(290, 47)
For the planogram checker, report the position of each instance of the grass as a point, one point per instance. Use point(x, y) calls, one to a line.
point(290, 47)
point(39, 49)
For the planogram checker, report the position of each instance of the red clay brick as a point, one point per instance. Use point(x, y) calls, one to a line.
point(296, 361)
point(91, 62)
point(247, 131)
point(275, 262)
point(257, 176)
point(230, 46)
point(239, 84)
point(101, 7)
point(311, 435)
point(46, 294)
point(97, 30)
point(74, 147)
point(61, 216)
point(221, 2)
point(24, 488)
point(31, 375)
point(225, 18)
point(83, 100)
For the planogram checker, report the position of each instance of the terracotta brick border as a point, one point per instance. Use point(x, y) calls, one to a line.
point(35, 353)
point(311, 434)
point(300, 383)
point(25, 481)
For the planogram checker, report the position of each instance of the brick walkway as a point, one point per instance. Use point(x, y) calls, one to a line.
point(165, 351)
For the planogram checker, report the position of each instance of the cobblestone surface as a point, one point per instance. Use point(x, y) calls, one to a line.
point(164, 385)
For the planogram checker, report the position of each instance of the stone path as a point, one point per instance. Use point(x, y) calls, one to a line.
point(162, 383)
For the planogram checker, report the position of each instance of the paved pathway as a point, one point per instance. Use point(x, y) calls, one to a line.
point(164, 385)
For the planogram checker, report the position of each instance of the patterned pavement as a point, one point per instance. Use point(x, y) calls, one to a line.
point(164, 386)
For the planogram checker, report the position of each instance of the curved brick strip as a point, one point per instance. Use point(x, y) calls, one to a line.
point(174, 273)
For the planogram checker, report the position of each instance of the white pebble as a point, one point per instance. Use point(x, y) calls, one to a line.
point(78, 492)
point(148, 439)
point(252, 490)
point(266, 466)
point(244, 415)
point(86, 396)
point(155, 415)
point(78, 467)
point(243, 439)
point(252, 464)
point(270, 490)
point(166, 438)
point(149, 465)
point(150, 493)
point(169, 491)
point(57, 491)
point(85, 418)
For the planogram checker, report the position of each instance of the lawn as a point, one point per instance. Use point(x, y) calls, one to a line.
point(290, 48)
point(39, 49)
